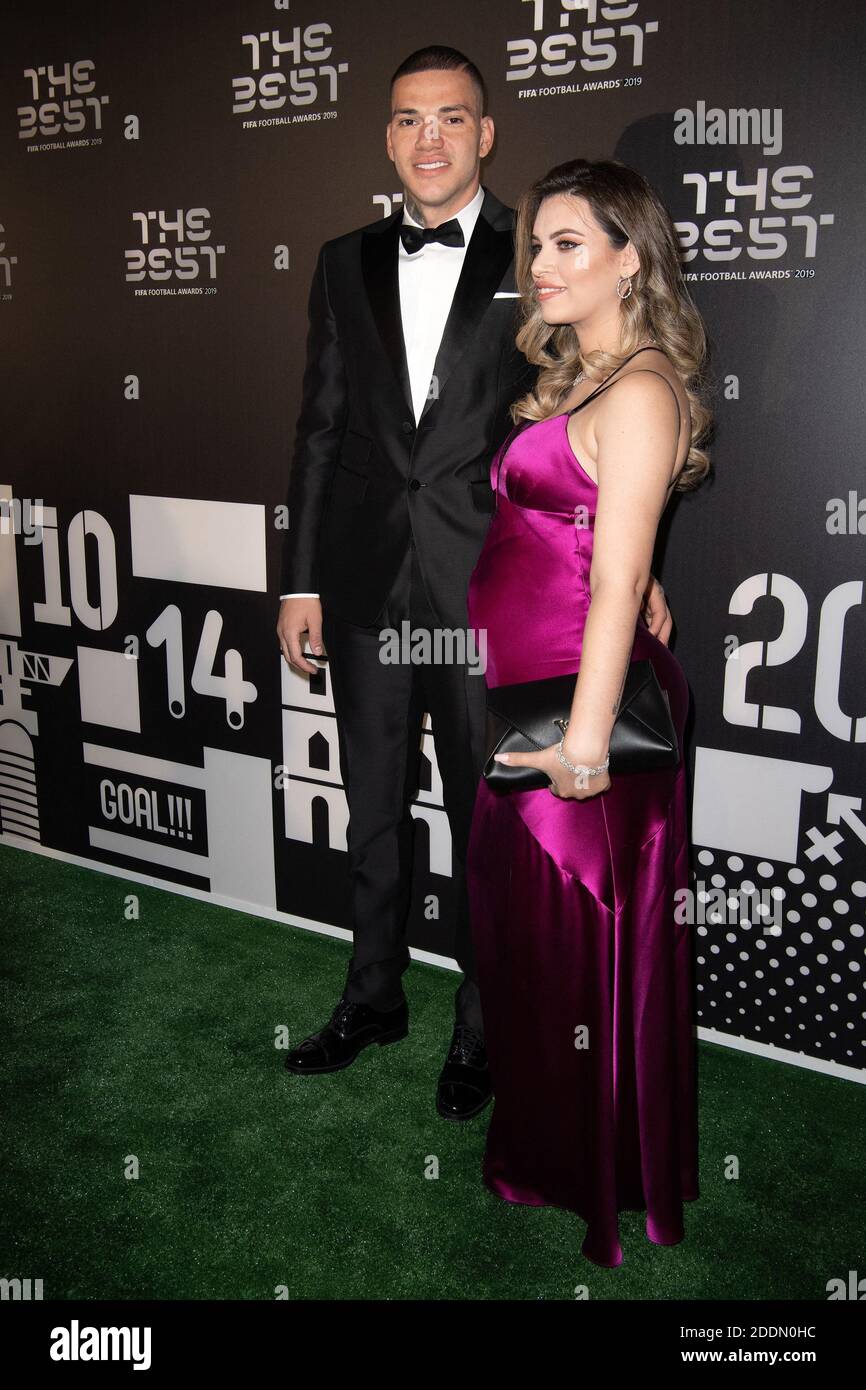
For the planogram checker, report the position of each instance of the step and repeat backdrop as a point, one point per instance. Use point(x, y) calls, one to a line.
point(168, 175)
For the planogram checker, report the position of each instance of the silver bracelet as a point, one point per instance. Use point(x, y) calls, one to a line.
point(578, 767)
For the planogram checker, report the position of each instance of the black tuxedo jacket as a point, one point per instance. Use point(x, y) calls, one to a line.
point(363, 477)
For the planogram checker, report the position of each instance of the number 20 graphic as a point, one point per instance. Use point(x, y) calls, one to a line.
point(828, 667)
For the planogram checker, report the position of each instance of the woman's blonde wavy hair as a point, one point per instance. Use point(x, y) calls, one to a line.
point(659, 309)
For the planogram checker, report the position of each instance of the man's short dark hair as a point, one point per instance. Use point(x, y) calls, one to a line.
point(438, 58)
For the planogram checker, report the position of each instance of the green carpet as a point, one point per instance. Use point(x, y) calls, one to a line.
point(155, 1038)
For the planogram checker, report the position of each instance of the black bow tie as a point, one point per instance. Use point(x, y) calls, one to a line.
point(449, 233)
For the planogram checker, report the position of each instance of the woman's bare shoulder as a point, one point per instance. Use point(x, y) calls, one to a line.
point(646, 369)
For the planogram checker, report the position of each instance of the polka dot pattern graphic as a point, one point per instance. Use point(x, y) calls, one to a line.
point(780, 949)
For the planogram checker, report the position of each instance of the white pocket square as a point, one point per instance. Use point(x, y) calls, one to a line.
point(506, 294)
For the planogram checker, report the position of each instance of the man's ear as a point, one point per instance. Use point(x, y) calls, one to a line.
point(488, 134)
point(388, 145)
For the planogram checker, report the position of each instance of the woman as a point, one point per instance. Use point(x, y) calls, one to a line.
point(584, 974)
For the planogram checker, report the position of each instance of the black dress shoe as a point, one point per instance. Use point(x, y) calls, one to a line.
point(464, 1082)
point(351, 1028)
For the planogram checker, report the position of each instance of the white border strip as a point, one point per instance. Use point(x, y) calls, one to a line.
point(782, 1054)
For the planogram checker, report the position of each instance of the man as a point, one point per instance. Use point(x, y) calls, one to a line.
point(411, 369)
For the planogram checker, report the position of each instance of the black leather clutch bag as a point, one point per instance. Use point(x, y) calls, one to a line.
point(522, 719)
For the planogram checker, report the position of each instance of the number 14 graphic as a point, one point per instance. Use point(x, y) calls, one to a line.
point(167, 631)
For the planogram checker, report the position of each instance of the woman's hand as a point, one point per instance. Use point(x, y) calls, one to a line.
point(655, 611)
point(569, 786)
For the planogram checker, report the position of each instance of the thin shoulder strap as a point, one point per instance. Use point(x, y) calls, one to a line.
point(661, 377)
point(608, 380)
point(604, 387)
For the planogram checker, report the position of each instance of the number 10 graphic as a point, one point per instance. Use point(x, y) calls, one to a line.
point(165, 630)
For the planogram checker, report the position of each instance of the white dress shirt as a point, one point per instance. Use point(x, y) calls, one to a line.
point(428, 280)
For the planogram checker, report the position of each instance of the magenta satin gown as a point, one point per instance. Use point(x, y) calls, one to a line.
point(573, 902)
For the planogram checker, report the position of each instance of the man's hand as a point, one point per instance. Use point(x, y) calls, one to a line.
point(655, 611)
point(299, 615)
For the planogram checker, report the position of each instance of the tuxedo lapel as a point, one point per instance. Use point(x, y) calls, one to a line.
point(379, 261)
point(487, 258)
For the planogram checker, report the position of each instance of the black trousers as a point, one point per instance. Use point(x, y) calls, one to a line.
point(379, 710)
